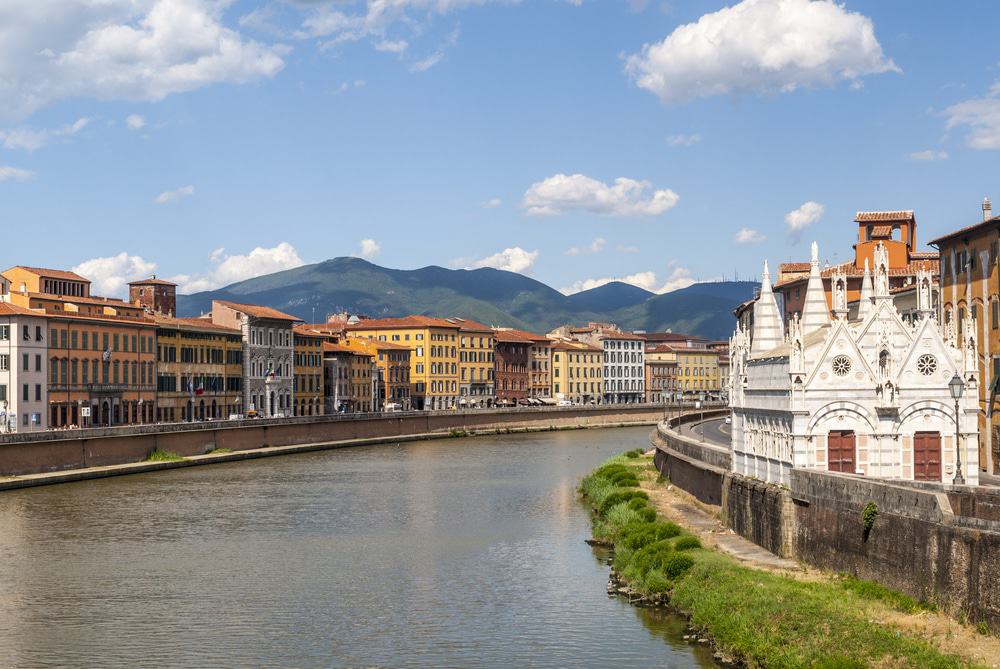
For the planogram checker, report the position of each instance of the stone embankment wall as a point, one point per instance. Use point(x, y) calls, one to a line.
point(38, 452)
point(936, 543)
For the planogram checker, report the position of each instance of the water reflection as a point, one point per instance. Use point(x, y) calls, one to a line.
point(456, 553)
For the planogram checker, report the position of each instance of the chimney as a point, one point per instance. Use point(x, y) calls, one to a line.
point(987, 209)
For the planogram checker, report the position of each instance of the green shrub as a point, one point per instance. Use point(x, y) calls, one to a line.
point(625, 479)
point(647, 514)
point(618, 497)
point(637, 503)
point(639, 535)
point(868, 516)
point(651, 556)
point(676, 564)
point(619, 517)
point(634, 453)
point(597, 490)
point(656, 581)
point(686, 543)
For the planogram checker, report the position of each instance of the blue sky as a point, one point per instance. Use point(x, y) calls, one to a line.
point(212, 141)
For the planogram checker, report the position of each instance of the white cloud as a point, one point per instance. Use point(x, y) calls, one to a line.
point(369, 249)
point(595, 246)
point(8, 173)
point(492, 204)
point(391, 46)
point(928, 155)
point(683, 140)
point(513, 259)
point(427, 63)
point(629, 249)
point(228, 269)
point(804, 216)
point(120, 50)
point(173, 195)
point(679, 277)
point(30, 140)
point(135, 122)
point(760, 47)
point(748, 236)
point(111, 275)
point(981, 116)
point(561, 194)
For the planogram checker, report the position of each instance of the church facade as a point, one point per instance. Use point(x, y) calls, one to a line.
point(867, 396)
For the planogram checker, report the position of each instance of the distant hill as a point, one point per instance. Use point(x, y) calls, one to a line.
point(610, 296)
point(492, 296)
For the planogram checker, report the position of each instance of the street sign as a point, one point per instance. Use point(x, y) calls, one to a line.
point(85, 412)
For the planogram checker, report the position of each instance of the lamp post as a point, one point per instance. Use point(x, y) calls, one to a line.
point(957, 387)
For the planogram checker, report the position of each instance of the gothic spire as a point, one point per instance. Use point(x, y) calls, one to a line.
point(867, 292)
point(766, 319)
point(815, 312)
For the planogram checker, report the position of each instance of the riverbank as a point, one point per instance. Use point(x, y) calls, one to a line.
point(757, 613)
point(159, 460)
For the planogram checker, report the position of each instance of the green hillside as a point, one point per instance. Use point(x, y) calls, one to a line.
point(494, 297)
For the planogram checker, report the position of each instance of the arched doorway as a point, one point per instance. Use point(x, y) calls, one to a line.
point(840, 451)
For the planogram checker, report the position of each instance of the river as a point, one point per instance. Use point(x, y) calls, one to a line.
point(449, 553)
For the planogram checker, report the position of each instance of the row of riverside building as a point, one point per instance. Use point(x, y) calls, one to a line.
point(71, 359)
point(956, 285)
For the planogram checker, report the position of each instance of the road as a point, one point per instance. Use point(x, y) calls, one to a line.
point(716, 431)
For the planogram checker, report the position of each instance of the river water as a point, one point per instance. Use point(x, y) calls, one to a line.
point(451, 553)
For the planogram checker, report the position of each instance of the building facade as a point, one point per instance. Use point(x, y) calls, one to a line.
point(661, 375)
point(577, 372)
point(349, 379)
point(199, 370)
point(23, 369)
point(540, 363)
point(624, 360)
point(268, 350)
point(392, 372)
point(970, 286)
point(512, 360)
point(434, 360)
point(307, 397)
point(868, 395)
point(476, 384)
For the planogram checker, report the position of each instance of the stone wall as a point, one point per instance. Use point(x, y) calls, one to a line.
point(75, 449)
point(935, 543)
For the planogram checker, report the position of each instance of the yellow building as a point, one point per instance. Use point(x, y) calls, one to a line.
point(475, 363)
point(199, 369)
point(577, 372)
point(307, 387)
point(392, 362)
point(433, 344)
point(697, 370)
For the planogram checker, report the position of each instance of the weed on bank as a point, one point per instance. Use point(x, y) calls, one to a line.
point(758, 618)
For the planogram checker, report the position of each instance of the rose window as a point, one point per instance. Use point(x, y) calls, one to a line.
point(927, 364)
point(841, 365)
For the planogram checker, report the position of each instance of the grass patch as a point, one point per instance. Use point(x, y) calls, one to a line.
point(159, 455)
point(220, 451)
point(762, 619)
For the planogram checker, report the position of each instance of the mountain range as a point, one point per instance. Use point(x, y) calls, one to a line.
point(491, 296)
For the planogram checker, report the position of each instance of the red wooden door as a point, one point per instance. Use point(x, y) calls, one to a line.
point(927, 456)
point(840, 451)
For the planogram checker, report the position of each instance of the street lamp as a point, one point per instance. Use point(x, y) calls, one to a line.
point(957, 387)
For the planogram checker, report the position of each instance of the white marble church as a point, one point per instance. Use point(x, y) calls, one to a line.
point(868, 396)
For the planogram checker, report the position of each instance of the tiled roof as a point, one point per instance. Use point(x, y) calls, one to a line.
point(928, 262)
point(510, 337)
point(968, 230)
point(340, 348)
point(75, 299)
point(151, 281)
point(8, 309)
point(563, 345)
point(468, 325)
point(794, 267)
point(193, 324)
point(881, 231)
point(524, 334)
point(403, 323)
point(887, 216)
point(258, 311)
point(53, 273)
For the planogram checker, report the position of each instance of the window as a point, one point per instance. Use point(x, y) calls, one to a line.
point(4, 362)
point(4, 332)
point(995, 314)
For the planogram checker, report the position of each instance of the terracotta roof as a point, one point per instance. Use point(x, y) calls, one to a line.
point(403, 323)
point(924, 255)
point(524, 334)
point(794, 267)
point(607, 334)
point(192, 323)
point(930, 263)
point(563, 345)
point(258, 311)
point(53, 273)
point(510, 337)
point(468, 326)
point(306, 331)
point(8, 309)
point(876, 216)
point(340, 348)
point(319, 328)
point(387, 345)
point(74, 299)
point(881, 231)
point(968, 230)
point(152, 281)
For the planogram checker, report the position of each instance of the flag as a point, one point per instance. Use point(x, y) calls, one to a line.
point(199, 389)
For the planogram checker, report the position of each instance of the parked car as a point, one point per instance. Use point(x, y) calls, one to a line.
point(392, 407)
point(729, 419)
point(564, 403)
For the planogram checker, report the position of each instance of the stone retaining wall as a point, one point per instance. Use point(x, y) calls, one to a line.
point(77, 449)
point(934, 543)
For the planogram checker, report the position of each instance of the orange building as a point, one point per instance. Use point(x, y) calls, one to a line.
point(895, 229)
point(101, 351)
point(392, 369)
